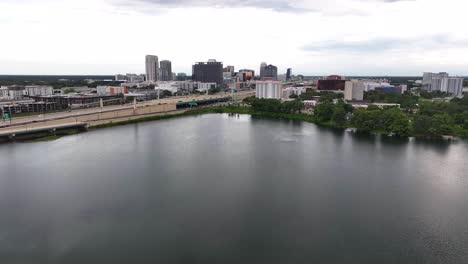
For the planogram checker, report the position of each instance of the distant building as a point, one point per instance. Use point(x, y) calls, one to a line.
point(4, 92)
point(187, 86)
point(262, 69)
point(287, 92)
point(130, 77)
point(228, 72)
point(208, 72)
point(181, 77)
point(443, 83)
point(76, 89)
point(174, 76)
point(165, 70)
point(289, 74)
point(269, 72)
point(14, 92)
point(331, 83)
point(354, 91)
point(111, 90)
point(391, 89)
point(268, 90)
point(205, 87)
point(173, 87)
point(136, 78)
point(455, 86)
point(121, 77)
point(152, 68)
point(245, 75)
point(35, 90)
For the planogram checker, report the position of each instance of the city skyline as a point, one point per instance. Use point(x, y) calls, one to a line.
point(348, 37)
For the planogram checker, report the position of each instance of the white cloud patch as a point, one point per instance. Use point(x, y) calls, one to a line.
point(315, 37)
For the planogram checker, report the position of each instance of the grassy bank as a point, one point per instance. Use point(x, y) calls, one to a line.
point(43, 137)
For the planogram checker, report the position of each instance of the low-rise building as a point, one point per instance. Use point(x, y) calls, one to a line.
point(331, 83)
point(111, 90)
point(34, 90)
point(168, 86)
point(287, 92)
point(3, 92)
point(188, 86)
point(205, 87)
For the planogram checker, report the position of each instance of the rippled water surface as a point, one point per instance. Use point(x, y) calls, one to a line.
point(232, 189)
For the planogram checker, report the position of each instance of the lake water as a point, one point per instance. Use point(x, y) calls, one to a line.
point(232, 189)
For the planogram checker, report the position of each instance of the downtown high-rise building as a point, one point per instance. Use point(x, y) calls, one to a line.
point(262, 69)
point(208, 72)
point(165, 70)
point(152, 68)
point(269, 72)
point(289, 74)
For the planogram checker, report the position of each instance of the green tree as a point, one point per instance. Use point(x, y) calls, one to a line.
point(166, 93)
point(364, 120)
point(324, 112)
point(401, 125)
point(69, 91)
point(442, 125)
point(422, 124)
point(293, 106)
point(339, 116)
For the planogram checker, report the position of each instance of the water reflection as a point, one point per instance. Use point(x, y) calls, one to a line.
point(228, 189)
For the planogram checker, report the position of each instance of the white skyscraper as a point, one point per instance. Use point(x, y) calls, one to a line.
point(152, 68)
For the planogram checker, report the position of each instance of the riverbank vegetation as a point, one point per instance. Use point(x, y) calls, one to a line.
point(419, 118)
point(415, 118)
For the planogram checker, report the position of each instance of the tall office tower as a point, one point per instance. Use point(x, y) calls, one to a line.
point(166, 70)
point(262, 69)
point(208, 72)
point(289, 74)
point(152, 68)
point(270, 72)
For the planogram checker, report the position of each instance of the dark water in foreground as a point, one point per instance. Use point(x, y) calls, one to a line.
point(219, 189)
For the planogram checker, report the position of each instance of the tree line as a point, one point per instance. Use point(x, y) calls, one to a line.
point(414, 118)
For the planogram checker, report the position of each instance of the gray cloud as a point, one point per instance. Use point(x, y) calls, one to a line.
point(283, 6)
point(276, 5)
point(388, 44)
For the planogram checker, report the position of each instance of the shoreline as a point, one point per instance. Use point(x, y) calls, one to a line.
point(226, 110)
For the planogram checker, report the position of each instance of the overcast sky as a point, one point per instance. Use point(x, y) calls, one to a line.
point(314, 37)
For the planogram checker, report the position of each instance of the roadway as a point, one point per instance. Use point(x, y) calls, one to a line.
point(20, 121)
